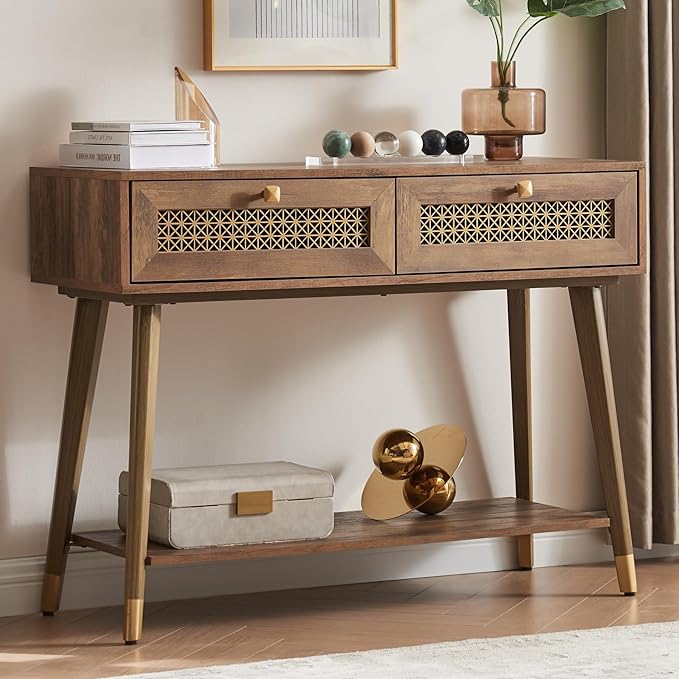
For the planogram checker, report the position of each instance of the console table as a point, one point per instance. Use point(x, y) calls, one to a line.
point(147, 238)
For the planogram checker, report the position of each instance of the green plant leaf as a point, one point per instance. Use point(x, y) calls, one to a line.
point(489, 8)
point(573, 8)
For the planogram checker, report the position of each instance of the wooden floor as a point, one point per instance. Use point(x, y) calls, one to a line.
point(247, 628)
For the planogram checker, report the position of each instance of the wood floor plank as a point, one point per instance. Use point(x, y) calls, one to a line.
point(546, 598)
point(103, 643)
point(223, 648)
point(176, 647)
point(37, 628)
point(11, 619)
point(271, 625)
point(78, 635)
point(449, 591)
point(600, 610)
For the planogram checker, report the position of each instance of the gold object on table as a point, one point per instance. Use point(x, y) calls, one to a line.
point(413, 471)
point(397, 454)
point(430, 489)
point(254, 502)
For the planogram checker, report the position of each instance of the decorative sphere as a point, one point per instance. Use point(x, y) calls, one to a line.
point(362, 144)
point(457, 143)
point(433, 143)
point(386, 144)
point(430, 490)
point(397, 454)
point(409, 143)
point(336, 143)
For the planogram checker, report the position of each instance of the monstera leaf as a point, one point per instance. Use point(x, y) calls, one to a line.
point(573, 8)
point(489, 8)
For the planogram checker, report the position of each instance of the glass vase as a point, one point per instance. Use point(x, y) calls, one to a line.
point(503, 113)
point(191, 104)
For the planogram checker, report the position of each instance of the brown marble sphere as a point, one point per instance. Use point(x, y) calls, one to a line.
point(362, 144)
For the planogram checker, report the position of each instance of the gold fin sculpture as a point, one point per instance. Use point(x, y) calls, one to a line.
point(191, 104)
point(413, 471)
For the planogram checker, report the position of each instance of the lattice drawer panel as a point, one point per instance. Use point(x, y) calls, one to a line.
point(263, 229)
point(516, 222)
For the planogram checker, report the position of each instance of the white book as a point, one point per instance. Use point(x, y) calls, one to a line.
point(137, 125)
point(134, 157)
point(140, 138)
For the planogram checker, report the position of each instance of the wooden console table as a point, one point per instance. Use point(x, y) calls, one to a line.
point(146, 238)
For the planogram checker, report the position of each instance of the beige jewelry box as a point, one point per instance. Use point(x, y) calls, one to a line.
point(236, 504)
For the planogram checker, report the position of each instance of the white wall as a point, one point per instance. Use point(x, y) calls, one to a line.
point(314, 381)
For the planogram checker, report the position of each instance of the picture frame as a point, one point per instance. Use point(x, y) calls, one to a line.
point(300, 35)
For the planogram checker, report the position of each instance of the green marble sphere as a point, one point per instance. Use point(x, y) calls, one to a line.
point(336, 143)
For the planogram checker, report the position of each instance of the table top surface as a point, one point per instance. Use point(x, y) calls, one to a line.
point(400, 167)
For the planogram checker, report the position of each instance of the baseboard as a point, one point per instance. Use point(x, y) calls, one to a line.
point(95, 579)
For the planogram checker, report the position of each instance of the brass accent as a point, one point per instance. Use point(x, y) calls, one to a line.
point(525, 188)
point(272, 194)
point(627, 575)
point(205, 230)
point(383, 498)
point(209, 49)
point(134, 616)
point(517, 222)
point(444, 446)
point(428, 485)
point(397, 454)
point(51, 592)
point(254, 503)
point(430, 490)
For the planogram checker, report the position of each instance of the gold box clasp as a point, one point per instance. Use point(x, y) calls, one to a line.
point(254, 502)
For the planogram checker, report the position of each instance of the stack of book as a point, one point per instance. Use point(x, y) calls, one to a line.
point(134, 145)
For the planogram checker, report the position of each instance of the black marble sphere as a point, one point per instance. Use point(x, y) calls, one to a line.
point(457, 143)
point(433, 143)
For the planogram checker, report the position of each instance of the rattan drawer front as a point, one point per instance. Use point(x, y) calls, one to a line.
point(481, 223)
point(221, 230)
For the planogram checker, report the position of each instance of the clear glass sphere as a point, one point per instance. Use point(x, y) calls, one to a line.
point(386, 144)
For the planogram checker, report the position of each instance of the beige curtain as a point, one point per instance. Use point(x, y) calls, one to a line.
point(643, 47)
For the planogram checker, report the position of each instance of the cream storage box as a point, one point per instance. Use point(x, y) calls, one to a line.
point(236, 504)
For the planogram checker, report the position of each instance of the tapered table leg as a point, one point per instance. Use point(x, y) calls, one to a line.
point(518, 307)
point(590, 326)
point(86, 342)
point(145, 349)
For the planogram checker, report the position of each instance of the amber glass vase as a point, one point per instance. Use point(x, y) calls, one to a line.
point(503, 113)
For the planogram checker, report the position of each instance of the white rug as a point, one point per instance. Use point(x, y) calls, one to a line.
point(635, 652)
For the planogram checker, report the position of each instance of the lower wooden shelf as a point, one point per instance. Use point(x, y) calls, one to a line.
point(469, 520)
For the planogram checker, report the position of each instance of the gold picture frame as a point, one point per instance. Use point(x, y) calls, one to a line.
point(273, 54)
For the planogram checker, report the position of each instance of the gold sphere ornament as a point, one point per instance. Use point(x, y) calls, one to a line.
point(398, 454)
point(413, 471)
point(430, 490)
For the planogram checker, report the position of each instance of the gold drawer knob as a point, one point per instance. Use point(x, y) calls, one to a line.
point(272, 194)
point(525, 188)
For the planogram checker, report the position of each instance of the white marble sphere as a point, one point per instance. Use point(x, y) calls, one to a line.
point(410, 143)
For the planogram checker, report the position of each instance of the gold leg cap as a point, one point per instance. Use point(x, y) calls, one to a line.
point(51, 593)
point(134, 615)
point(627, 575)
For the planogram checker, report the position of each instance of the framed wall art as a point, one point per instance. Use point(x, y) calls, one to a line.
point(304, 35)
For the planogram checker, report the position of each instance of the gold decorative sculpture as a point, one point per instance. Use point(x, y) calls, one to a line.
point(191, 104)
point(413, 471)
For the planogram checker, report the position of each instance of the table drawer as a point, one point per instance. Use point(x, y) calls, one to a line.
point(481, 224)
point(221, 230)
